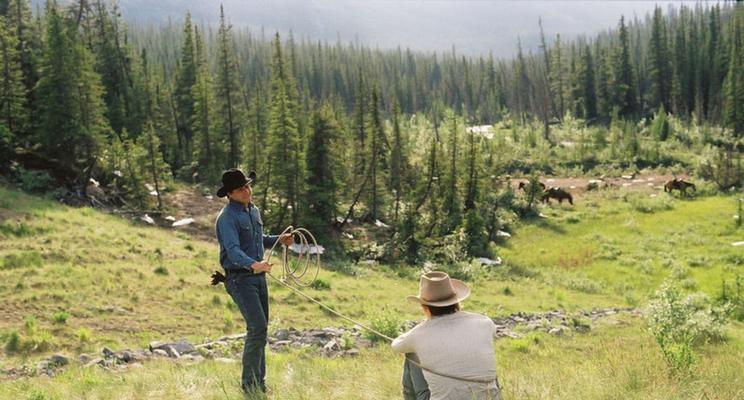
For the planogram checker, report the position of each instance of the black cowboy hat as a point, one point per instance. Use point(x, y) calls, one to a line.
point(233, 179)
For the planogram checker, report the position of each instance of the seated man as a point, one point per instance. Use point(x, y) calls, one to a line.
point(454, 348)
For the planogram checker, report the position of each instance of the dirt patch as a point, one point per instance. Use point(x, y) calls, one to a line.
point(189, 203)
point(579, 186)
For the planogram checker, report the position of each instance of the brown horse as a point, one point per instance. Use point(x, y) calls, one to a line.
point(680, 185)
point(558, 194)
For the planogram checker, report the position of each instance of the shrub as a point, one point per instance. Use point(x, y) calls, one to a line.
point(84, 335)
point(161, 270)
point(386, 322)
point(13, 343)
point(33, 181)
point(320, 284)
point(347, 341)
point(60, 317)
point(649, 205)
point(678, 322)
point(734, 295)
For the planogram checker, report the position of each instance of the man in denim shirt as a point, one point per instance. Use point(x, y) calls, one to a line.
point(242, 242)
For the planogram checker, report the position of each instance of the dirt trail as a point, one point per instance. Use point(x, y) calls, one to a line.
point(639, 182)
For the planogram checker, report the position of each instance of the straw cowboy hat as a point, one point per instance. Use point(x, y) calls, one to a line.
point(438, 290)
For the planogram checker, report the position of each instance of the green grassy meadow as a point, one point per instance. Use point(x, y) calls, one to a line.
point(76, 280)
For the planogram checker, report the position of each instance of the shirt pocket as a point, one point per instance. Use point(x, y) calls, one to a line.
point(247, 231)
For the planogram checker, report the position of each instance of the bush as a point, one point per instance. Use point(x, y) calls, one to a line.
point(385, 321)
point(320, 284)
point(161, 270)
point(60, 317)
point(347, 341)
point(84, 335)
point(734, 295)
point(646, 204)
point(13, 343)
point(33, 181)
point(33, 339)
point(679, 322)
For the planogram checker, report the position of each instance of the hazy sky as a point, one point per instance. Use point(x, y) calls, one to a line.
point(474, 27)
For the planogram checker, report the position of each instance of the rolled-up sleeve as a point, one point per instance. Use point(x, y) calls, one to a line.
point(227, 232)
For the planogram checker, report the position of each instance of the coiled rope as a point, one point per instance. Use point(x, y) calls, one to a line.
point(294, 275)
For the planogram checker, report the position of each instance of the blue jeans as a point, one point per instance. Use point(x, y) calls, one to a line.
point(251, 294)
point(414, 384)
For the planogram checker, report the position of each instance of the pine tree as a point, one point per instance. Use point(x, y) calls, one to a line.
point(378, 161)
point(471, 186)
point(604, 99)
point(13, 114)
point(681, 95)
point(734, 86)
point(587, 96)
point(476, 238)
point(71, 107)
point(557, 78)
point(321, 178)
point(114, 65)
point(183, 93)
point(451, 204)
point(202, 122)
point(360, 128)
point(659, 68)
point(28, 44)
point(228, 90)
point(152, 160)
point(283, 137)
point(398, 162)
point(623, 80)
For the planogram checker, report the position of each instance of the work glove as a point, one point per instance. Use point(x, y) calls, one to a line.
point(217, 278)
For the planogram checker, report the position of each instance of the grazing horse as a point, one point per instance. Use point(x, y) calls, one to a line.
point(680, 185)
point(558, 194)
point(524, 186)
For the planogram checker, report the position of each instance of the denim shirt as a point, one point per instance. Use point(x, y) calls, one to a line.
point(240, 233)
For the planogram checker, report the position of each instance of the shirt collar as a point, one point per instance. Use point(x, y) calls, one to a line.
point(235, 206)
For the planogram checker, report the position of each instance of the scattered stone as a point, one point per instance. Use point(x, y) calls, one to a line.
point(94, 362)
point(170, 218)
point(381, 224)
point(737, 244)
point(84, 358)
point(558, 331)
point(326, 342)
point(331, 345)
point(183, 222)
point(501, 233)
point(282, 334)
point(148, 219)
point(178, 347)
point(488, 261)
point(160, 352)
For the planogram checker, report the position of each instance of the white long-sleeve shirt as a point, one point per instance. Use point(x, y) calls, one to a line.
point(459, 344)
